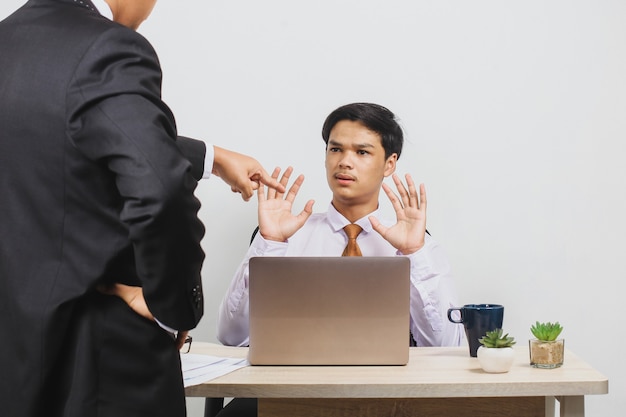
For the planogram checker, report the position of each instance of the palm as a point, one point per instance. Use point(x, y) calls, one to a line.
point(276, 221)
point(408, 234)
point(409, 230)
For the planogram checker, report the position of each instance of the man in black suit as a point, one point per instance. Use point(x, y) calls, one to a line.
point(96, 194)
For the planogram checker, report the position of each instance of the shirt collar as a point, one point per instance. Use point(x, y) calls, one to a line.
point(338, 221)
point(103, 8)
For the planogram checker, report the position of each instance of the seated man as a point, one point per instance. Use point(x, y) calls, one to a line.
point(363, 145)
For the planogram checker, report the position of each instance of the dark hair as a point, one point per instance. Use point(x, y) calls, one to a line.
point(375, 117)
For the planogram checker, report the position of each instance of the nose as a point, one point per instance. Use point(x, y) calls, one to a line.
point(346, 160)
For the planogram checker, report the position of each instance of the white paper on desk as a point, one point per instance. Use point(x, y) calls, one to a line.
point(202, 368)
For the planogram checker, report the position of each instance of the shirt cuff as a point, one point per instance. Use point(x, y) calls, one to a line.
point(209, 156)
point(262, 247)
point(168, 329)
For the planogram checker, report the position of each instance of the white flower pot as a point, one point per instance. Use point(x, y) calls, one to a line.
point(496, 360)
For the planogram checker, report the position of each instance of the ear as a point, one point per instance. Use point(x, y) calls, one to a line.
point(390, 164)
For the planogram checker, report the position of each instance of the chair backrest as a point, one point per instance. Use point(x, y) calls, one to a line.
point(256, 230)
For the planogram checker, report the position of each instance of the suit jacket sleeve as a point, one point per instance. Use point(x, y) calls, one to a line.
point(117, 119)
point(195, 151)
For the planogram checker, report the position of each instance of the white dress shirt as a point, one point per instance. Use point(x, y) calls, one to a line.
point(432, 287)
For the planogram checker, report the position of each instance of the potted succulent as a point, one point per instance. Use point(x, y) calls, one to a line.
point(496, 355)
point(546, 350)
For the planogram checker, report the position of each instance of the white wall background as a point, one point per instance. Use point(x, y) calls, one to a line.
point(515, 118)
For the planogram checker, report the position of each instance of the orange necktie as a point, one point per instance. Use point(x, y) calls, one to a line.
point(352, 248)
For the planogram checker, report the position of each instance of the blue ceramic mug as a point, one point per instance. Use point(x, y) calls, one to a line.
point(477, 319)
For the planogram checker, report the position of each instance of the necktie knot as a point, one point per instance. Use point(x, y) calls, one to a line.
point(352, 248)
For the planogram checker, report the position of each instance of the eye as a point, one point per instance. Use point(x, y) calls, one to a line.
point(333, 149)
point(362, 152)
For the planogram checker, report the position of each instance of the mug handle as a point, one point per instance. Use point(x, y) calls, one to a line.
point(460, 310)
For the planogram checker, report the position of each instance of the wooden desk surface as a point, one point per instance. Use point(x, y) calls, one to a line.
point(430, 373)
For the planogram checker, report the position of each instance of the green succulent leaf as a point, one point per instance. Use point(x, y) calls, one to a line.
point(546, 331)
point(495, 339)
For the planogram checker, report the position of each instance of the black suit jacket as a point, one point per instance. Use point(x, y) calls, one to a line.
point(95, 187)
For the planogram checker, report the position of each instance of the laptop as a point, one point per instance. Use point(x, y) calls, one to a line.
point(329, 311)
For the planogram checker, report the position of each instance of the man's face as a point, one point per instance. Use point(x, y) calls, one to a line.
point(356, 165)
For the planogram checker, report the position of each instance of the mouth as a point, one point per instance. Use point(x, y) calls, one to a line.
point(344, 178)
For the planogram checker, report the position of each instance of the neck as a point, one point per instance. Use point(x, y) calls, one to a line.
point(354, 212)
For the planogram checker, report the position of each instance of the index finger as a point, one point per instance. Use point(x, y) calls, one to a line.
point(263, 177)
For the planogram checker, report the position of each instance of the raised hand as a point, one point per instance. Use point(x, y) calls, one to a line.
point(276, 222)
point(408, 234)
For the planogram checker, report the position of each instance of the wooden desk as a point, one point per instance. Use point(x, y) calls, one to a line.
point(436, 382)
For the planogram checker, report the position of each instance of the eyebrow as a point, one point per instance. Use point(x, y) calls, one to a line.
point(358, 145)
